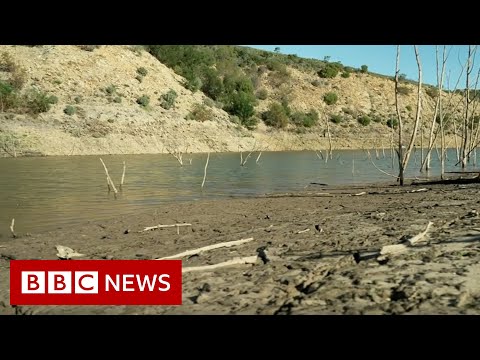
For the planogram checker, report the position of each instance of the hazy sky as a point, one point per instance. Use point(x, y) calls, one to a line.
point(381, 58)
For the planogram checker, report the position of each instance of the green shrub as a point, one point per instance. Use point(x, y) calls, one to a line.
point(330, 70)
point(392, 123)
point(143, 101)
point(209, 102)
point(8, 98)
point(70, 110)
point(212, 84)
point(78, 99)
point(117, 100)
point(168, 99)
point(142, 71)
point(364, 120)
point(275, 116)
point(336, 119)
point(307, 119)
point(200, 113)
point(408, 107)
point(330, 98)
point(192, 84)
point(37, 102)
point(345, 74)
point(404, 90)
point(241, 104)
point(52, 99)
point(18, 77)
point(262, 94)
point(364, 69)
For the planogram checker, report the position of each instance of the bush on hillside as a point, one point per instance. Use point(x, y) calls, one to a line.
point(167, 100)
point(330, 98)
point(275, 116)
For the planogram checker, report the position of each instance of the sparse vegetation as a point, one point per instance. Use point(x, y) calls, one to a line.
point(167, 100)
point(364, 120)
point(70, 110)
point(345, 74)
point(276, 116)
point(200, 113)
point(142, 71)
point(432, 92)
point(307, 119)
point(404, 90)
point(111, 89)
point(143, 101)
point(38, 101)
point(364, 69)
point(262, 94)
point(408, 107)
point(330, 70)
point(117, 100)
point(349, 111)
point(78, 99)
point(392, 123)
point(336, 119)
point(330, 98)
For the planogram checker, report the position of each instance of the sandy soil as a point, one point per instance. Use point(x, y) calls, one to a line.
point(314, 272)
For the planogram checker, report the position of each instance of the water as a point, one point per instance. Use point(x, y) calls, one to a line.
point(46, 193)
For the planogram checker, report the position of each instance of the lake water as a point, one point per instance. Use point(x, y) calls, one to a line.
point(50, 192)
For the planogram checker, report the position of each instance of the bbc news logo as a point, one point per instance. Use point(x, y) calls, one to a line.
point(96, 282)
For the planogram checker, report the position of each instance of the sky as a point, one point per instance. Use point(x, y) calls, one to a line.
point(381, 59)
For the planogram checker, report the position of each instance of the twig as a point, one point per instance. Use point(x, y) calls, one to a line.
point(164, 226)
point(236, 261)
point(12, 228)
point(207, 248)
point(360, 193)
point(205, 173)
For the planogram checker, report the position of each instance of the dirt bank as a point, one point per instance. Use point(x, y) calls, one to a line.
point(312, 272)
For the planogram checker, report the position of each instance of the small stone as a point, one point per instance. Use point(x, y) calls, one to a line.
point(126, 231)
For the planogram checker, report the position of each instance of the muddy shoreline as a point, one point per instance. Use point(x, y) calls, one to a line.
point(311, 239)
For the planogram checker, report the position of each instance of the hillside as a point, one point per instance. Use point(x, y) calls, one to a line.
point(74, 100)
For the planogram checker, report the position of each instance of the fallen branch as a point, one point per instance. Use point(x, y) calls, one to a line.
point(12, 228)
point(360, 194)
point(207, 248)
point(236, 261)
point(165, 226)
point(303, 231)
point(109, 179)
point(419, 190)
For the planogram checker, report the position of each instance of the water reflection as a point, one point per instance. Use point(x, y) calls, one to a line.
point(45, 193)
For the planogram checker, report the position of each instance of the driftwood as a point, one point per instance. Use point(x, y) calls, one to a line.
point(66, 253)
point(388, 250)
point(12, 230)
point(419, 190)
point(236, 261)
point(360, 194)
point(303, 231)
point(207, 248)
point(165, 226)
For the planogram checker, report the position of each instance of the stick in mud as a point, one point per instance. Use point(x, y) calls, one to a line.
point(12, 228)
point(165, 226)
point(109, 180)
point(260, 154)
point(205, 171)
point(236, 261)
point(123, 175)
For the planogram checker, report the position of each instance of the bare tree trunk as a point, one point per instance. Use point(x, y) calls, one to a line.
point(400, 125)
point(465, 133)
